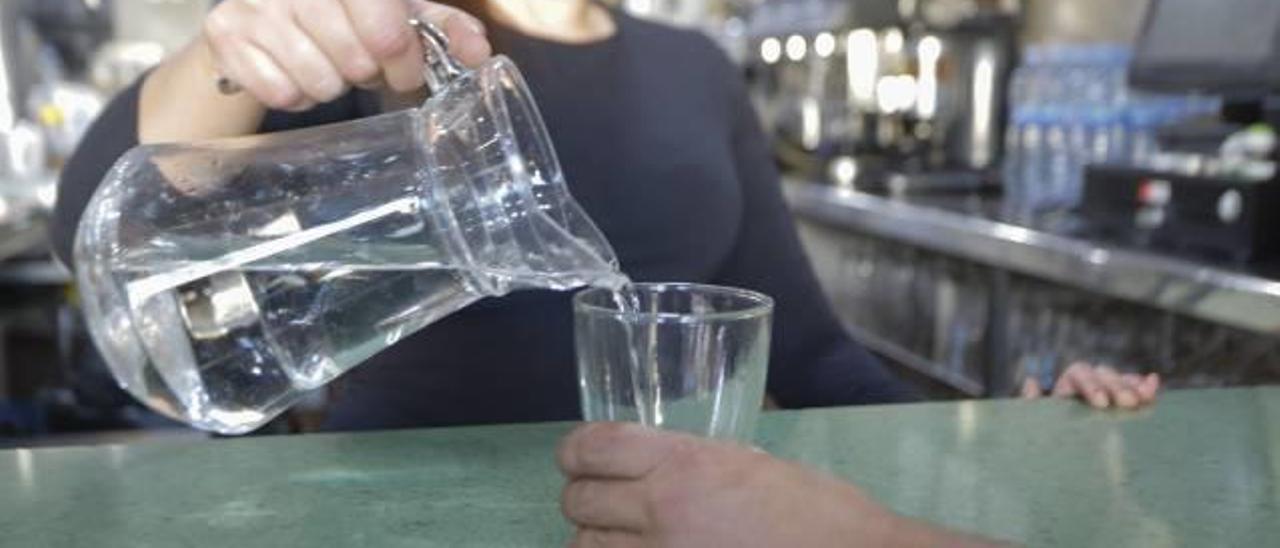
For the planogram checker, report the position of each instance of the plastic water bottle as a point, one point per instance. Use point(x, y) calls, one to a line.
point(1032, 166)
point(1056, 75)
point(1079, 131)
point(1120, 130)
point(1143, 122)
point(1092, 74)
point(1117, 74)
point(1109, 75)
point(1106, 135)
point(1069, 106)
point(1010, 169)
point(1058, 156)
point(1097, 128)
point(1026, 85)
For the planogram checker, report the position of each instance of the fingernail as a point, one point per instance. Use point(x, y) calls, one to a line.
point(1099, 399)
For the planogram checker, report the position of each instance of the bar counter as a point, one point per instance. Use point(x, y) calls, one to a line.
point(1199, 469)
point(1244, 298)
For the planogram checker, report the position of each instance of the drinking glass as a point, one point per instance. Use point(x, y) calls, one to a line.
point(689, 357)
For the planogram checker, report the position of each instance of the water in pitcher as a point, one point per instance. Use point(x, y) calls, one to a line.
point(235, 332)
point(229, 332)
point(224, 280)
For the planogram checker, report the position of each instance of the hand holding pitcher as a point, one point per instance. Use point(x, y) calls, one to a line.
point(290, 55)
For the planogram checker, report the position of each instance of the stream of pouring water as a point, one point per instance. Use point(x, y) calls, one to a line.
point(642, 340)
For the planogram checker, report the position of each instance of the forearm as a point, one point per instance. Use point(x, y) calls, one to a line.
point(180, 101)
point(861, 521)
point(910, 533)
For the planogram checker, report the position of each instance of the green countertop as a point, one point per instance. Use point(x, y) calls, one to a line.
point(1200, 469)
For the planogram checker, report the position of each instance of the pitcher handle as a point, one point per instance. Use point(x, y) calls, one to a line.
point(441, 68)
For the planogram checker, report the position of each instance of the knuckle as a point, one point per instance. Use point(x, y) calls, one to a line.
point(669, 503)
point(588, 538)
point(357, 68)
point(589, 454)
point(282, 9)
point(690, 457)
point(219, 24)
point(328, 89)
point(282, 98)
point(594, 441)
point(579, 498)
point(577, 451)
point(605, 431)
point(682, 452)
point(565, 454)
point(568, 501)
point(388, 42)
point(406, 84)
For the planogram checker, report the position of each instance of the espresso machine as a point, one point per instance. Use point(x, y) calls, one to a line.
point(888, 95)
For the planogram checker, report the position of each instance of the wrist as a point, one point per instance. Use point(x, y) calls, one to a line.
point(180, 101)
point(867, 521)
point(904, 532)
point(900, 531)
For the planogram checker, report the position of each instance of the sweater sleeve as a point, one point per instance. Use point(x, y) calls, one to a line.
point(813, 362)
point(116, 131)
point(111, 135)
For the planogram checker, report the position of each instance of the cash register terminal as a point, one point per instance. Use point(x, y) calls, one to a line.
point(1213, 190)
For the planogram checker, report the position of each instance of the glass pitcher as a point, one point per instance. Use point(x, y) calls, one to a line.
point(223, 280)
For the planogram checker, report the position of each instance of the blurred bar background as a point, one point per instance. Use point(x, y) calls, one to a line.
point(935, 153)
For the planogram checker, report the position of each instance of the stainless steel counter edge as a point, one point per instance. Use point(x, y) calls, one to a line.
point(15, 240)
point(1203, 292)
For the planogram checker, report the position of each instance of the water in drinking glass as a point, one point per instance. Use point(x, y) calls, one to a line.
point(676, 356)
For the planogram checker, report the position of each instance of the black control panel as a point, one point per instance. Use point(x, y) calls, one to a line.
point(1221, 218)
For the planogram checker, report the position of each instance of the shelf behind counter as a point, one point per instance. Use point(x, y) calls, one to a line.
point(1214, 294)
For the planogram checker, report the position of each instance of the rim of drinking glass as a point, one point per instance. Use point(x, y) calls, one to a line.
point(756, 304)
